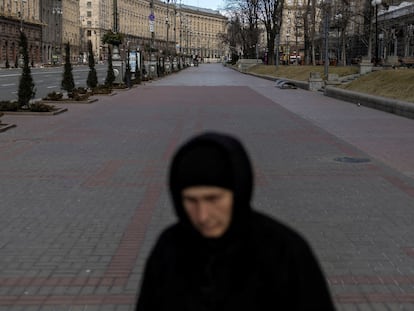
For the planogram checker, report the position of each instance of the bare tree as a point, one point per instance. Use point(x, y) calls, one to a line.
point(271, 12)
point(309, 30)
point(233, 37)
point(341, 20)
point(246, 13)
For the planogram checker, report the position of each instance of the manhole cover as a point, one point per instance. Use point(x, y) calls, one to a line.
point(352, 160)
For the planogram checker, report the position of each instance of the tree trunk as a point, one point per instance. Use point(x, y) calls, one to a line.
point(271, 49)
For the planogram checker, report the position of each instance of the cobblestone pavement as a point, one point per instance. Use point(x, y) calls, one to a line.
point(83, 194)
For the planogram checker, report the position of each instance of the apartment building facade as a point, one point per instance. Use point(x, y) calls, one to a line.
point(291, 39)
point(14, 16)
point(49, 24)
point(60, 25)
point(177, 29)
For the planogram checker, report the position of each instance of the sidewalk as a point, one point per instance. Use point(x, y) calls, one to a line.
point(83, 194)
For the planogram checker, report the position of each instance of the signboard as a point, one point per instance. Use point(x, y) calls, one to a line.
point(151, 19)
point(133, 60)
point(139, 60)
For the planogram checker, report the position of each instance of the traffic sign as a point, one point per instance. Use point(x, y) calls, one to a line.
point(151, 17)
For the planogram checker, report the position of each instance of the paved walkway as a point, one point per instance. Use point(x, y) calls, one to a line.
point(83, 194)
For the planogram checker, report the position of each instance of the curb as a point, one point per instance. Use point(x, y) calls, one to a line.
point(300, 84)
point(390, 105)
point(60, 102)
point(395, 106)
point(30, 113)
point(5, 127)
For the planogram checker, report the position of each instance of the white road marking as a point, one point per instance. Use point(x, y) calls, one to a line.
point(51, 87)
point(9, 84)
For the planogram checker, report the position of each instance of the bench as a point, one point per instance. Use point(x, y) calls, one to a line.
point(407, 61)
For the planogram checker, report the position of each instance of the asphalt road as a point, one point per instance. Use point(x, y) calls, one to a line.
point(83, 194)
point(46, 79)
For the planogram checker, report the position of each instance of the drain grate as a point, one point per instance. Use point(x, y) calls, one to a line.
point(352, 160)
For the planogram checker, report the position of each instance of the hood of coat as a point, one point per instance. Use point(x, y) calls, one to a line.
point(238, 176)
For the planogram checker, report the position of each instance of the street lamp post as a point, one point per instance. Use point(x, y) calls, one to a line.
point(277, 42)
point(287, 50)
point(326, 30)
point(297, 26)
point(175, 27)
point(338, 22)
point(375, 4)
point(381, 48)
point(57, 11)
point(21, 13)
point(152, 30)
point(167, 23)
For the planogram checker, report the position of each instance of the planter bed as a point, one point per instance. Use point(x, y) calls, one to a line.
point(5, 127)
point(69, 101)
point(31, 113)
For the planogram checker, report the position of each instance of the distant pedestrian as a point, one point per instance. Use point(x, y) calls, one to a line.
point(221, 254)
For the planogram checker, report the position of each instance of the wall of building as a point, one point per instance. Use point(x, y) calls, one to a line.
point(189, 30)
point(16, 15)
point(70, 27)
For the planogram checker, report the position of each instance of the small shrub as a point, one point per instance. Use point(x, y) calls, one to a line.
point(68, 83)
point(82, 90)
point(120, 86)
point(41, 107)
point(9, 106)
point(92, 80)
point(79, 94)
point(54, 96)
point(102, 89)
point(81, 97)
point(137, 79)
point(27, 88)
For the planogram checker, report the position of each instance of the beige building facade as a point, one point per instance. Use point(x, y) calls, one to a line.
point(291, 40)
point(16, 15)
point(49, 24)
point(60, 20)
point(71, 26)
point(188, 30)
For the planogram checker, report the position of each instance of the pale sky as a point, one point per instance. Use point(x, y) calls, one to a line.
point(208, 4)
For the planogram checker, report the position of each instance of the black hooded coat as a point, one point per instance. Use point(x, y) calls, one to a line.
point(258, 264)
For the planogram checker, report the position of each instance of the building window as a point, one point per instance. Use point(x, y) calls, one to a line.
point(89, 23)
point(89, 13)
point(89, 33)
point(89, 4)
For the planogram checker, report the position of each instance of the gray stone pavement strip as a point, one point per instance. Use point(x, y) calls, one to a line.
point(83, 195)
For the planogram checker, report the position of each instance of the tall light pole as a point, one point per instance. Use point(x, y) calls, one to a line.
point(57, 12)
point(287, 50)
point(338, 21)
point(21, 13)
point(152, 19)
point(375, 4)
point(167, 22)
point(326, 30)
point(175, 26)
point(297, 26)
